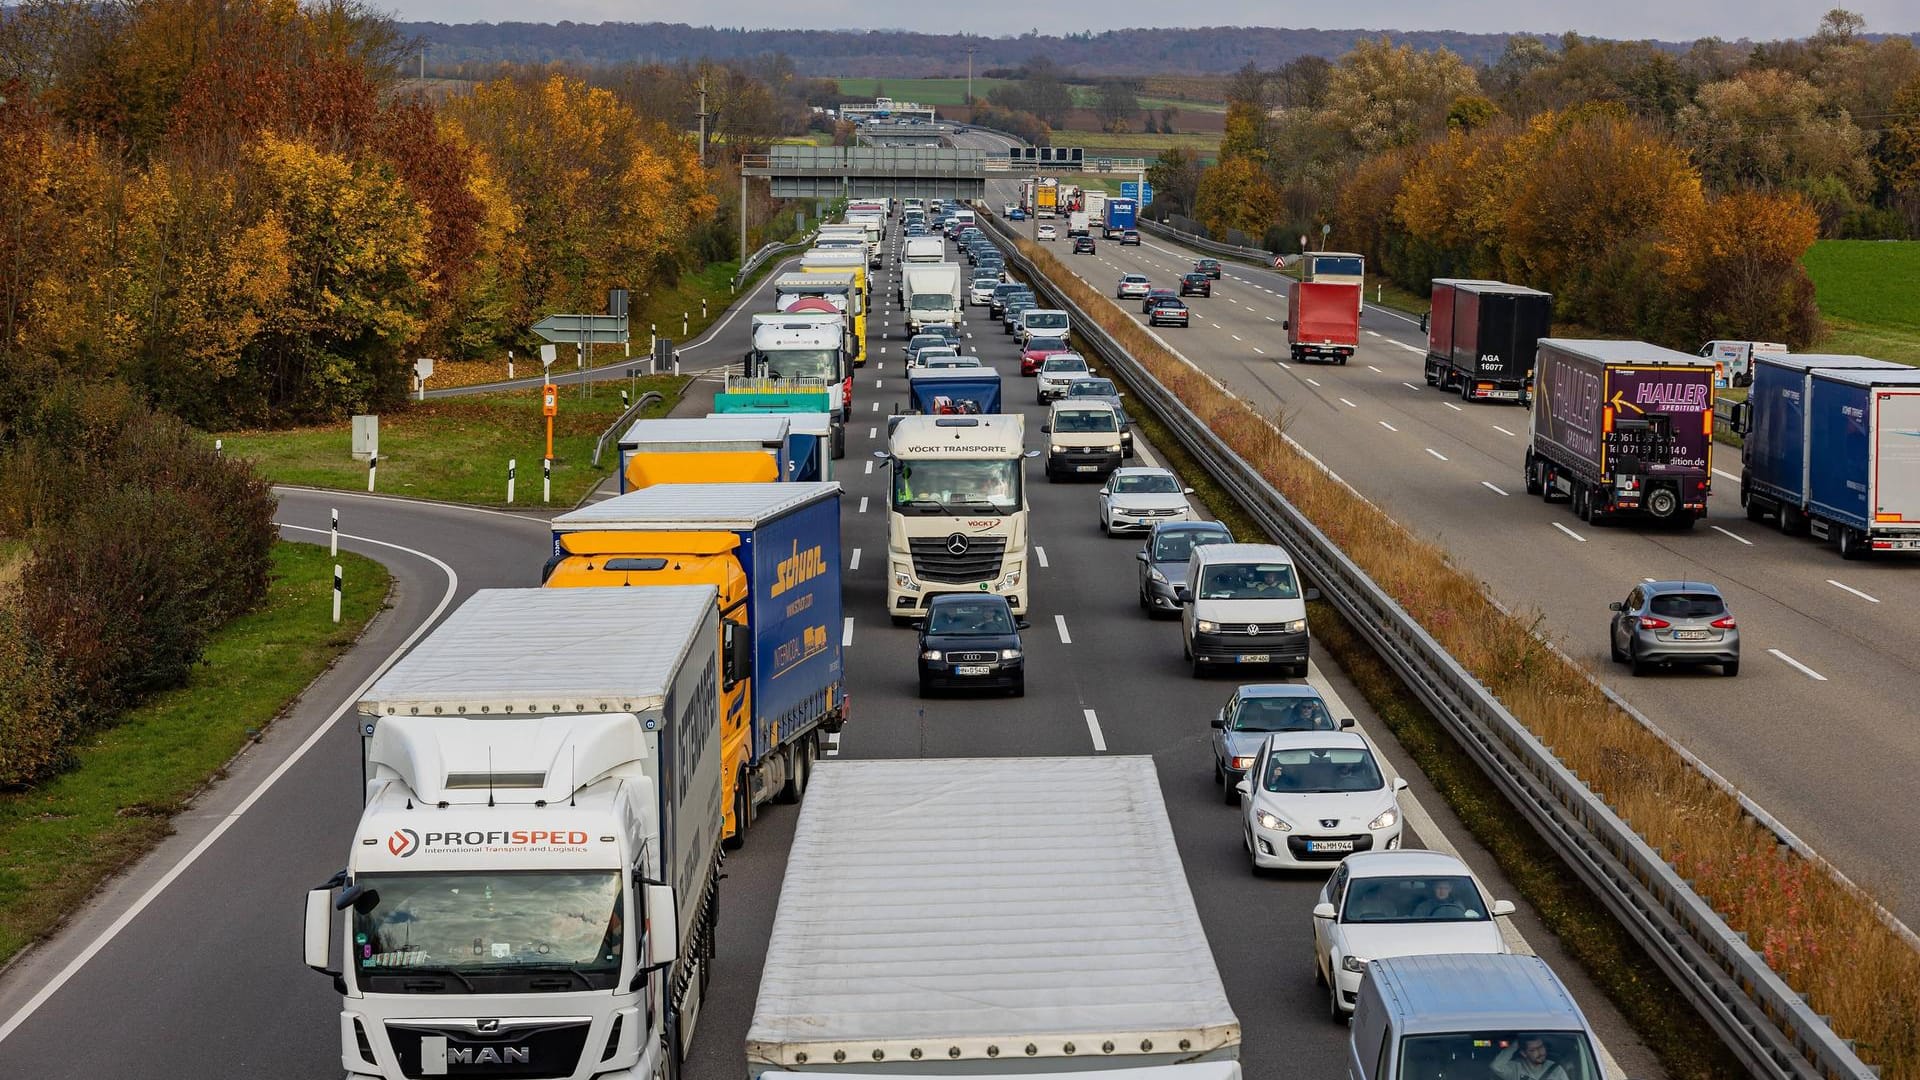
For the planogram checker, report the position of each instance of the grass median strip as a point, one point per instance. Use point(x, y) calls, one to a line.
point(61, 840)
point(457, 449)
point(1823, 938)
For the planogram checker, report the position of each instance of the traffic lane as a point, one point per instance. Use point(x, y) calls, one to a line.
point(1569, 571)
point(223, 931)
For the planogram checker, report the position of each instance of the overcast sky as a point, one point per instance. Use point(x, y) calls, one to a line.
point(1664, 19)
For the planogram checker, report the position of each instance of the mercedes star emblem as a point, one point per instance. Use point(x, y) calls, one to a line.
point(957, 544)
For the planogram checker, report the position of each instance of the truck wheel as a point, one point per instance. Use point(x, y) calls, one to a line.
point(1850, 543)
point(1662, 502)
point(796, 784)
point(1533, 471)
point(1792, 521)
point(1466, 389)
point(1755, 511)
point(839, 442)
point(1578, 499)
point(742, 809)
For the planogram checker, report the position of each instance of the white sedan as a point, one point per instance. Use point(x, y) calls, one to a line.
point(1312, 798)
point(1045, 232)
point(1397, 903)
point(1133, 285)
point(1136, 498)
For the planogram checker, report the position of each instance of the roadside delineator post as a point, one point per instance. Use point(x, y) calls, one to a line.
point(333, 534)
point(509, 365)
point(373, 470)
point(510, 466)
point(336, 592)
point(218, 445)
point(546, 480)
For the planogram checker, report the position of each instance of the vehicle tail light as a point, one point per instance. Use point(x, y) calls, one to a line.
point(1725, 622)
point(1648, 622)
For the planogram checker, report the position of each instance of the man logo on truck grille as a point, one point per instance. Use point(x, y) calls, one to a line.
point(957, 544)
point(403, 843)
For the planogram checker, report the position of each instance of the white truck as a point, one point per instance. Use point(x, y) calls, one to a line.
point(932, 295)
point(798, 347)
point(1077, 224)
point(924, 249)
point(957, 509)
point(957, 917)
point(533, 886)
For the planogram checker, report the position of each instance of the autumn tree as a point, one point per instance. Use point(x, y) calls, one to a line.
point(1237, 196)
point(1739, 260)
point(1770, 129)
point(1175, 178)
point(1116, 104)
point(1897, 160)
point(1386, 95)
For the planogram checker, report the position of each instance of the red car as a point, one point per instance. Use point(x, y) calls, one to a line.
point(1036, 354)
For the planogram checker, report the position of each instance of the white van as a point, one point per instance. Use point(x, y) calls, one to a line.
point(1467, 1015)
point(1083, 439)
point(1041, 322)
point(1243, 604)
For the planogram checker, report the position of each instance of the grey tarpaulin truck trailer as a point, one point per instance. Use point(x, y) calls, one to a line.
point(959, 916)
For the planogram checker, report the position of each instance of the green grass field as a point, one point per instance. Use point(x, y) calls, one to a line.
point(457, 449)
point(1869, 293)
point(919, 91)
point(63, 838)
point(1136, 143)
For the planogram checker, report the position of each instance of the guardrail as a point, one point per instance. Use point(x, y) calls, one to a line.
point(754, 260)
point(651, 397)
point(1773, 1031)
point(1232, 251)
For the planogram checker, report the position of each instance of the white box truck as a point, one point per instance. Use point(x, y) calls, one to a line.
point(533, 885)
point(925, 249)
point(956, 509)
point(958, 917)
point(932, 295)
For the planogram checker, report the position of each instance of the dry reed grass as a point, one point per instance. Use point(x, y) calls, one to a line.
point(1824, 938)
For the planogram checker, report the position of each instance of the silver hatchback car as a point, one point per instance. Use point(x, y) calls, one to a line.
point(1163, 561)
point(1674, 622)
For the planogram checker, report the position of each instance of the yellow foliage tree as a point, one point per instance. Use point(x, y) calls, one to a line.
point(1237, 195)
point(1740, 261)
point(1385, 95)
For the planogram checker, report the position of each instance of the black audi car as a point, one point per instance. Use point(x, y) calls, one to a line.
point(971, 641)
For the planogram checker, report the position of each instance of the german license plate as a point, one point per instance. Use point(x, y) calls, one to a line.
point(1329, 845)
point(1253, 658)
point(1504, 395)
point(1086, 468)
point(973, 669)
point(1689, 635)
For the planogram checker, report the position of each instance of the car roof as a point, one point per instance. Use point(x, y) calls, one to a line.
point(1317, 740)
point(1142, 470)
point(1680, 586)
point(1082, 405)
point(1415, 861)
point(943, 599)
point(1133, 277)
point(1242, 553)
point(1191, 526)
point(1278, 690)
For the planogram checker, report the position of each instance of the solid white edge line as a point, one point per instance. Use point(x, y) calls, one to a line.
point(1569, 532)
point(1093, 728)
point(854, 562)
point(376, 497)
point(1040, 553)
point(1854, 591)
point(1804, 669)
point(846, 632)
point(1060, 624)
point(1735, 535)
point(326, 727)
point(1491, 486)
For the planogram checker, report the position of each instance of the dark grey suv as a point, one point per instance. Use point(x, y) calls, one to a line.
point(1674, 622)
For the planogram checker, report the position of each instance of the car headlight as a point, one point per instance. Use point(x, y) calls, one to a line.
point(1206, 626)
point(1355, 964)
point(1271, 822)
point(1296, 626)
point(1157, 576)
point(1241, 762)
point(1386, 820)
point(1009, 654)
point(1057, 448)
point(930, 654)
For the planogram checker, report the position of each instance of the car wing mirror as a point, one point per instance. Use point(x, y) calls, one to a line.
point(1140, 556)
point(1502, 907)
point(1244, 789)
point(1220, 722)
point(1399, 783)
point(1313, 594)
point(917, 624)
point(1615, 606)
point(1346, 722)
point(1022, 624)
point(1183, 594)
point(1323, 911)
point(1047, 429)
point(1286, 324)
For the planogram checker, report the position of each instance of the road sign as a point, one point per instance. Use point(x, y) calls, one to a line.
point(592, 329)
point(423, 367)
point(549, 399)
point(1130, 189)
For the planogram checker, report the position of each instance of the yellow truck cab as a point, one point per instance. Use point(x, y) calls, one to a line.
point(772, 550)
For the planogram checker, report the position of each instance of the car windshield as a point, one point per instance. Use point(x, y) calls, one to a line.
point(803, 364)
point(1047, 320)
point(1092, 388)
point(1248, 581)
point(924, 341)
point(1146, 484)
point(1445, 898)
point(1321, 771)
point(1688, 605)
point(1176, 545)
point(1270, 714)
point(970, 618)
point(470, 922)
point(1496, 1053)
point(1064, 363)
point(1083, 421)
point(1134, 279)
point(935, 485)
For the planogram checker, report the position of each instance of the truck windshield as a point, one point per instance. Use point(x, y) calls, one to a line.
point(472, 924)
point(937, 486)
point(930, 301)
point(1083, 421)
point(803, 364)
point(1496, 1053)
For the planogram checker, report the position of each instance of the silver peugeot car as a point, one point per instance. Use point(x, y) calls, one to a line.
point(1674, 622)
point(1256, 711)
point(1163, 561)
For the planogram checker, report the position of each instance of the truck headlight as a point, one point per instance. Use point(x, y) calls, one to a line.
point(1271, 822)
point(1355, 964)
point(1009, 654)
point(906, 581)
point(1011, 581)
point(1206, 626)
point(930, 654)
point(1296, 626)
point(1386, 820)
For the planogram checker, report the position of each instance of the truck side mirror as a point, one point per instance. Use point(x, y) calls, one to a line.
point(1286, 324)
point(737, 646)
point(1183, 594)
point(1742, 417)
point(663, 926)
point(1046, 429)
point(319, 930)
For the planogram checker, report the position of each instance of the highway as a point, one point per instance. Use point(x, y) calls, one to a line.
point(196, 967)
point(1817, 727)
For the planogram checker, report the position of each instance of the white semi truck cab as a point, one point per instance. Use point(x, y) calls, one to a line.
point(798, 347)
point(533, 885)
point(956, 510)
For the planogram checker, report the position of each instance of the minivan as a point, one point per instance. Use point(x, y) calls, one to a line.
point(1049, 322)
point(1243, 605)
point(1083, 439)
point(1466, 1015)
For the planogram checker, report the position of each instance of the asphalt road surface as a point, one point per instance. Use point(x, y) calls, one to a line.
point(196, 969)
point(1818, 727)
